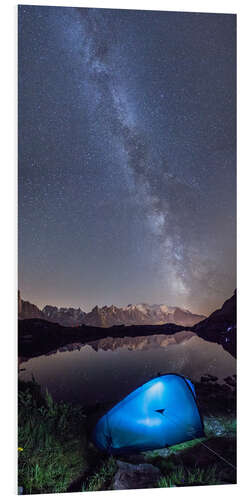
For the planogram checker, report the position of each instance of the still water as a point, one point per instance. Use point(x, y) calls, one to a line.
point(107, 370)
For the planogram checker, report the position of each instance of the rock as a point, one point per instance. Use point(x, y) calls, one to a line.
point(220, 326)
point(130, 476)
point(28, 310)
point(65, 316)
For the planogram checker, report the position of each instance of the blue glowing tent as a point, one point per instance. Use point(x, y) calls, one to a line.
point(160, 413)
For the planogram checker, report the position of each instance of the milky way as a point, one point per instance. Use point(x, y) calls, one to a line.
point(126, 157)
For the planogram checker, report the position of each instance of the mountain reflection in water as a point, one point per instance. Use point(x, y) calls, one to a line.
point(108, 369)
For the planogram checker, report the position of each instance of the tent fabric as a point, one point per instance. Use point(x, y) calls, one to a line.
point(160, 413)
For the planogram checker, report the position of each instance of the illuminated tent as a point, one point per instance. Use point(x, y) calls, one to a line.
point(160, 413)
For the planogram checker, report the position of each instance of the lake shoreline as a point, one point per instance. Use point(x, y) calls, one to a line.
point(37, 337)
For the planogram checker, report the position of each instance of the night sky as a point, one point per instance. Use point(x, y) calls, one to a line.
point(127, 157)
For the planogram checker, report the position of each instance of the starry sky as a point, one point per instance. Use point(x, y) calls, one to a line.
point(127, 157)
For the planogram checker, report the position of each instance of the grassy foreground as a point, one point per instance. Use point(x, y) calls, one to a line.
point(55, 454)
point(51, 440)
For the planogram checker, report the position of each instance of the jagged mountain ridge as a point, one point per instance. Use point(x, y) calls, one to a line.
point(26, 310)
point(108, 316)
point(65, 316)
point(140, 314)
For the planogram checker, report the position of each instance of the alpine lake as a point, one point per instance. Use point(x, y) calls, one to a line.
point(108, 369)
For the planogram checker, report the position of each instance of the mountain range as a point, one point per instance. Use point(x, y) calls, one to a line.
point(37, 336)
point(108, 316)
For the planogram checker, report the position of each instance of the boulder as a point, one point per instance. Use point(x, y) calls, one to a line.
point(129, 476)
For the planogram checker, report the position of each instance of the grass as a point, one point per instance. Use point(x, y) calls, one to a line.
point(213, 427)
point(197, 465)
point(102, 479)
point(52, 442)
point(198, 462)
point(56, 456)
point(182, 476)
